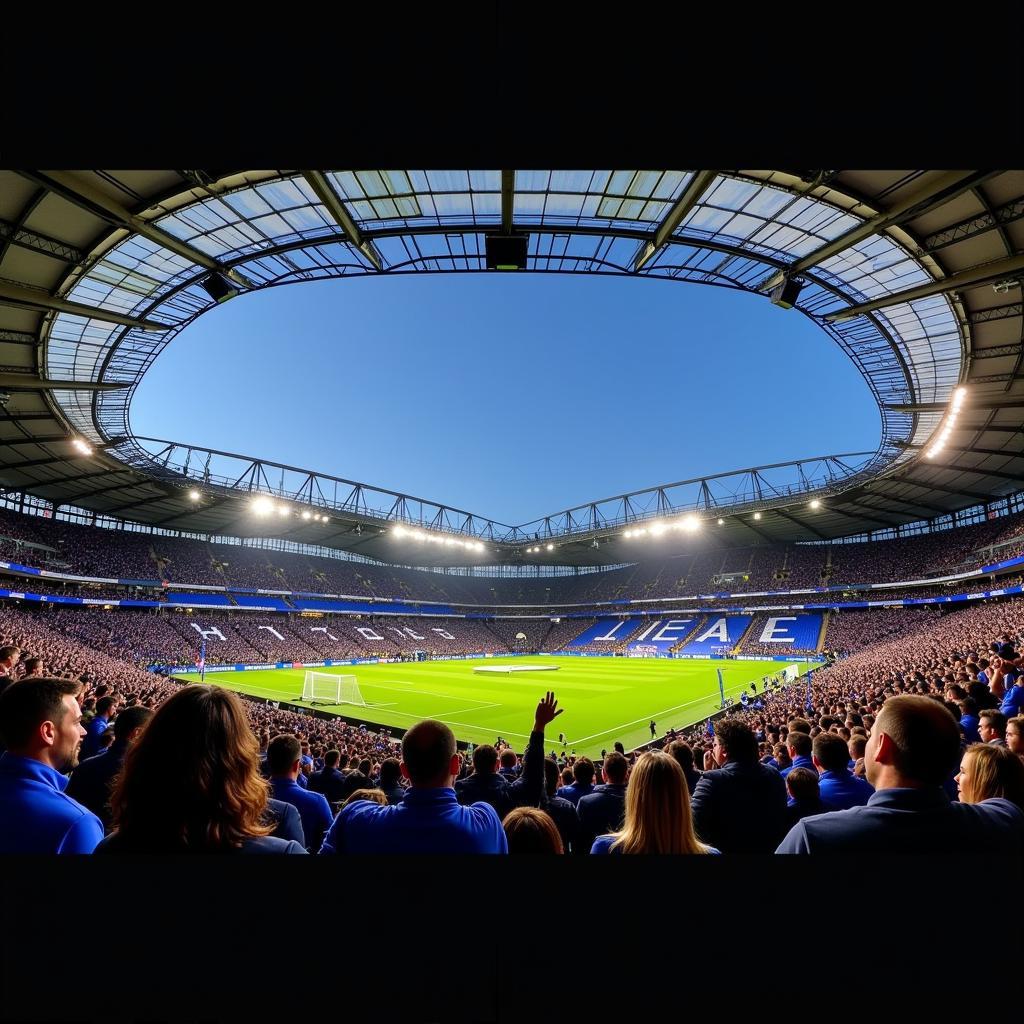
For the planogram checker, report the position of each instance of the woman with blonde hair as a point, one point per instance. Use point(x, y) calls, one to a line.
point(987, 771)
point(658, 817)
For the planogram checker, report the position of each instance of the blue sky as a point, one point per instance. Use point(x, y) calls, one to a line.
point(510, 395)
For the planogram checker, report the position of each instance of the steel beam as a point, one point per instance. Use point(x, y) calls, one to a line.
point(318, 182)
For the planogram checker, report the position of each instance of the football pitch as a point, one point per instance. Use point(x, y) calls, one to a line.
point(604, 699)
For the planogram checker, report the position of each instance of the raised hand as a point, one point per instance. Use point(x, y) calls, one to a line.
point(547, 711)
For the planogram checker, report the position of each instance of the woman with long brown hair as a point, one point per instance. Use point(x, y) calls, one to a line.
point(987, 771)
point(191, 782)
point(658, 817)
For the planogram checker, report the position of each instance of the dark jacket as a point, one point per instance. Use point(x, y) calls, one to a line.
point(354, 780)
point(501, 795)
point(565, 818)
point(599, 813)
point(286, 821)
point(258, 844)
point(800, 809)
point(394, 795)
point(90, 782)
point(740, 808)
point(330, 783)
point(485, 789)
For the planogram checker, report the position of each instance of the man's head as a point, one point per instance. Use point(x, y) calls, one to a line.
point(800, 743)
point(390, 772)
point(619, 748)
point(914, 742)
point(583, 771)
point(106, 707)
point(856, 746)
point(342, 760)
point(429, 756)
point(735, 742)
point(508, 758)
point(830, 753)
point(485, 759)
point(991, 725)
point(130, 722)
point(33, 667)
point(799, 725)
point(615, 768)
point(283, 756)
point(1015, 735)
point(40, 718)
point(802, 784)
point(331, 759)
point(9, 657)
point(550, 776)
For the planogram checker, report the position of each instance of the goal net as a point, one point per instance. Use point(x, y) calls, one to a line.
point(328, 688)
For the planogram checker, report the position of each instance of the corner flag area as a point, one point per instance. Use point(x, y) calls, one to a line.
point(605, 699)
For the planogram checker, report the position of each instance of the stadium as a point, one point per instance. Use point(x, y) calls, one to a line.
point(734, 629)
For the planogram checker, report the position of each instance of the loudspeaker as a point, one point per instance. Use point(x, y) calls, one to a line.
point(785, 294)
point(219, 289)
point(506, 252)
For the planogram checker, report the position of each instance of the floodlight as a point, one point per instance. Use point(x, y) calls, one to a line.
point(283, 510)
point(691, 523)
point(628, 533)
point(306, 514)
point(82, 447)
point(262, 506)
point(658, 529)
point(721, 522)
point(194, 494)
point(551, 547)
point(398, 531)
point(815, 503)
point(757, 515)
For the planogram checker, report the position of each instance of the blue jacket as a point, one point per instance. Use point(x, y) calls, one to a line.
point(799, 762)
point(91, 744)
point(286, 821)
point(740, 808)
point(314, 810)
point(969, 725)
point(922, 822)
point(256, 845)
point(600, 812)
point(488, 789)
point(426, 821)
point(842, 790)
point(330, 782)
point(575, 791)
point(603, 844)
point(37, 816)
point(90, 782)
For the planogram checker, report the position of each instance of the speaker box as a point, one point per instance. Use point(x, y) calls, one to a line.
point(785, 294)
point(218, 289)
point(506, 252)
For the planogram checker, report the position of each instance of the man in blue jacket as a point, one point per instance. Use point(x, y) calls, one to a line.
point(800, 746)
point(90, 782)
point(913, 747)
point(41, 724)
point(582, 784)
point(106, 709)
point(329, 781)
point(837, 785)
point(603, 810)
point(486, 784)
point(284, 758)
point(430, 819)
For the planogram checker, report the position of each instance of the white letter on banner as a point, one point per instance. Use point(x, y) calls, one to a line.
point(718, 630)
point(368, 633)
point(610, 635)
point(442, 632)
point(395, 629)
point(322, 629)
point(270, 629)
point(207, 633)
point(675, 624)
point(771, 628)
point(647, 632)
point(415, 636)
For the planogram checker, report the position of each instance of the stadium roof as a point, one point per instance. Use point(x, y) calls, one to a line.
point(916, 275)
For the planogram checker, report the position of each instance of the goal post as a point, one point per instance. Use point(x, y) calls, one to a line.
point(329, 688)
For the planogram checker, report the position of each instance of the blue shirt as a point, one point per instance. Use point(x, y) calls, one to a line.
point(913, 821)
point(1013, 702)
point(842, 790)
point(573, 792)
point(969, 724)
point(426, 821)
point(313, 808)
point(36, 816)
point(799, 762)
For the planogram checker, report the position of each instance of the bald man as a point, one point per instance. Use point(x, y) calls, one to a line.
point(913, 748)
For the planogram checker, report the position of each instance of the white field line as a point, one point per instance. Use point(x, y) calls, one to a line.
point(654, 714)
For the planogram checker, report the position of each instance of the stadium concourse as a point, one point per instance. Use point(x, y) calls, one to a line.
point(916, 707)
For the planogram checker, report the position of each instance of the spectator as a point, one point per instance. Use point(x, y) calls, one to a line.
point(583, 784)
point(987, 771)
point(106, 709)
point(329, 781)
point(603, 810)
point(390, 775)
point(191, 783)
point(1013, 702)
point(1015, 736)
point(969, 720)
point(40, 722)
point(486, 784)
point(375, 796)
point(804, 795)
point(913, 747)
point(561, 812)
point(739, 807)
point(657, 817)
point(33, 668)
point(284, 758)
point(357, 778)
point(9, 657)
point(509, 764)
point(91, 781)
point(799, 747)
point(838, 786)
point(429, 818)
point(531, 830)
point(992, 727)
point(683, 753)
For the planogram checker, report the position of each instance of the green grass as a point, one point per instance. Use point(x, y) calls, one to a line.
point(605, 699)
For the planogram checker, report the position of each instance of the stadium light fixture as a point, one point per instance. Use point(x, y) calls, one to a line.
point(283, 510)
point(815, 503)
point(757, 515)
point(721, 522)
point(957, 401)
point(262, 506)
point(551, 547)
point(658, 529)
point(691, 524)
point(194, 494)
point(307, 514)
point(82, 447)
